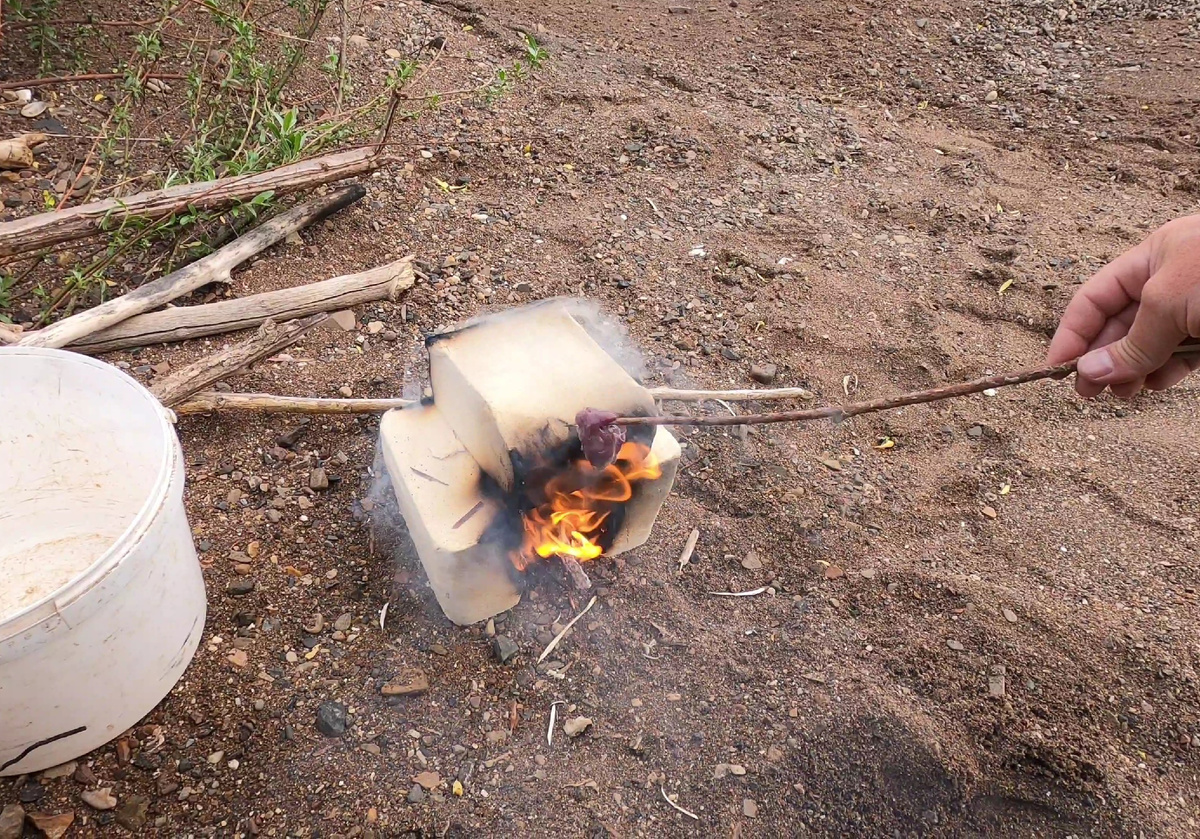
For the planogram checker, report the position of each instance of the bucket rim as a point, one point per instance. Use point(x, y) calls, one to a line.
point(156, 498)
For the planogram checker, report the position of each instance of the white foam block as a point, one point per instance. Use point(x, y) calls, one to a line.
point(516, 381)
point(438, 488)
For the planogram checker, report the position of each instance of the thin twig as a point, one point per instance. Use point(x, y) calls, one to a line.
point(742, 395)
point(82, 77)
point(751, 593)
point(550, 647)
point(667, 799)
point(841, 412)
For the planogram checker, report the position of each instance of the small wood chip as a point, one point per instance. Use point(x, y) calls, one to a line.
point(689, 547)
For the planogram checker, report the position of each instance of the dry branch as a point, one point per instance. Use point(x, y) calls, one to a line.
point(186, 322)
point(213, 268)
point(671, 394)
point(47, 229)
point(265, 403)
point(269, 340)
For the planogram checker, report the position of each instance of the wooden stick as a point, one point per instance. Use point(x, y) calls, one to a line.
point(186, 322)
point(265, 403)
point(84, 77)
point(269, 340)
point(46, 229)
point(579, 577)
point(666, 394)
point(841, 412)
point(215, 267)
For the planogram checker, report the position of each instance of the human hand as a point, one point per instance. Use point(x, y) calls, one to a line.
point(1128, 318)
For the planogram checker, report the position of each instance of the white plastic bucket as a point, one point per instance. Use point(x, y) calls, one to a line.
point(101, 597)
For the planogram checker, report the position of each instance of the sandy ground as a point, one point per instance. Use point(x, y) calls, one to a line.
point(988, 629)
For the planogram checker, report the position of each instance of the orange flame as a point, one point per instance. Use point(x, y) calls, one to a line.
point(579, 500)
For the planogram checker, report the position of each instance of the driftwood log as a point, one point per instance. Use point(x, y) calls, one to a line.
point(269, 339)
point(186, 322)
point(44, 230)
point(213, 268)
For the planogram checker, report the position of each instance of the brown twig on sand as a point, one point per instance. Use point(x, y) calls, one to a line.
point(841, 412)
point(82, 77)
point(266, 403)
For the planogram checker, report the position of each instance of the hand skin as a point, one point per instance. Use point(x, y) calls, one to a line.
point(1127, 319)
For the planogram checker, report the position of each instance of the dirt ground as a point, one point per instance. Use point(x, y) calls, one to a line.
point(989, 629)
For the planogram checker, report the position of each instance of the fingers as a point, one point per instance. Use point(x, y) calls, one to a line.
point(1109, 292)
point(1173, 372)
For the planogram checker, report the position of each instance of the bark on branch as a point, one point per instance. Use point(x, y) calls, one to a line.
point(186, 322)
point(269, 340)
point(47, 229)
point(215, 267)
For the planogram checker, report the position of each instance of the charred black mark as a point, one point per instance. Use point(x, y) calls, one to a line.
point(467, 515)
point(421, 474)
point(29, 749)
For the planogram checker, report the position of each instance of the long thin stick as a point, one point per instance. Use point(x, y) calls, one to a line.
point(265, 403)
point(670, 394)
point(550, 647)
point(84, 77)
point(841, 412)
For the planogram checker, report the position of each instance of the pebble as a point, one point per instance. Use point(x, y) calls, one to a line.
point(764, 373)
point(416, 795)
point(1009, 615)
point(955, 645)
point(990, 512)
point(31, 793)
point(343, 320)
point(53, 826)
point(331, 719)
point(749, 808)
point(61, 771)
point(343, 622)
point(410, 683)
point(428, 780)
point(375, 327)
point(241, 586)
point(996, 679)
point(752, 562)
point(318, 479)
point(833, 572)
point(99, 799)
point(346, 391)
point(576, 726)
point(504, 648)
point(132, 814)
point(12, 820)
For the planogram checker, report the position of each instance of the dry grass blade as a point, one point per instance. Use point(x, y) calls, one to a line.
point(554, 643)
point(751, 593)
point(667, 799)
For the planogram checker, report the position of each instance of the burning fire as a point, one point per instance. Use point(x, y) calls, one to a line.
point(579, 500)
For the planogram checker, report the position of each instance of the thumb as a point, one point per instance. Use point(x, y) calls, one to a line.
point(1152, 338)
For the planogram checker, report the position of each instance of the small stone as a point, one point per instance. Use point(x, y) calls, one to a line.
point(764, 373)
point(346, 391)
point(84, 775)
point(344, 320)
point(253, 549)
point(955, 645)
point(428, 780)
point(343, 622)
point(416, 795)
point(318, 479)
point(331, 719)
point(410, 683)
point(749, 808)
point(774, 754)
point(1009, 615)
point(375, 327)
point(63, 770)
point(991, 96)
point(31, 793)
point(12, 820)
point(216, 757)
point(996, 686)
point(990, 512)
point(737, 769)
point(132, 814)
point(99, 799)
point(833, 572)
point(830, 463)
point(731, 354)
point(522, 286)
point(576, 726)
point(241, 586)
point(239, 659)
point(752, 562)
point(52, 826)
point(504, 648)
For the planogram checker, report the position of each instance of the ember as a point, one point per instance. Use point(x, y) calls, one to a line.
point(578, 503)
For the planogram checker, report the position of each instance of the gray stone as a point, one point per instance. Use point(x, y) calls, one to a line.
point(416, 795)
point(764, 373)
point(12, 820)
point(504, 648)
point(132, 814)
point(331, 719)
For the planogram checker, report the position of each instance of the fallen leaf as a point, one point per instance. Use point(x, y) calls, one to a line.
point(457, 789)
point(1006, 489)
point(885, 443)
point(1005, 285)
